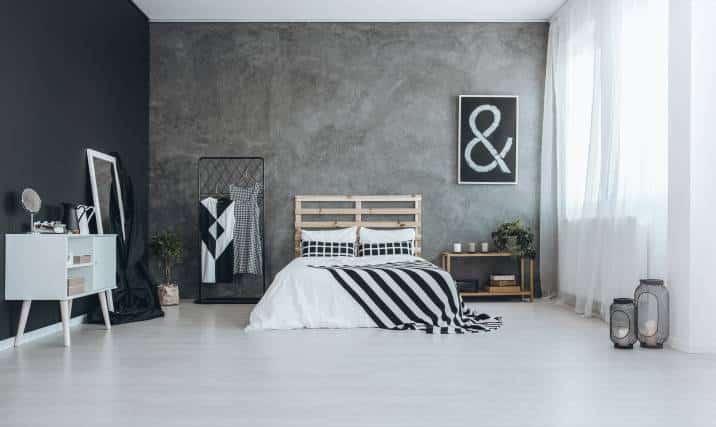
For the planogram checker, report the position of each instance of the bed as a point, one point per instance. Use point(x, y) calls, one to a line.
point(391, 290)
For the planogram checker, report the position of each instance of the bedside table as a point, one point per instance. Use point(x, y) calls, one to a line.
point(526, 291)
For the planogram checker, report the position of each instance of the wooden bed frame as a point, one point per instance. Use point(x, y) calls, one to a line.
point(360, 208)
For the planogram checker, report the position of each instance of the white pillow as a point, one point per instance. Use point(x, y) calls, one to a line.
point(369, 235)
point(341, 235)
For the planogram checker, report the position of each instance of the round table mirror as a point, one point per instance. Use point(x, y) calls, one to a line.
point(32, 203)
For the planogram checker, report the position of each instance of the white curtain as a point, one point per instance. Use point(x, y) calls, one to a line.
point(604, 148)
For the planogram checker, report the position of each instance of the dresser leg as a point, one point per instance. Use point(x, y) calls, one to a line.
point(24, 313)
point(105, 312)
point(110, 300)
point(65, 314)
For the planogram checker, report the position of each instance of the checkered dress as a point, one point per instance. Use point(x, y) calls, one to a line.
point(248, 236)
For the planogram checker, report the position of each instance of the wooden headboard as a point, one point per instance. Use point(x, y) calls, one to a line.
point(326, 212)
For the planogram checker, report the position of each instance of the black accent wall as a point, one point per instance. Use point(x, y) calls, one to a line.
point(74, 75)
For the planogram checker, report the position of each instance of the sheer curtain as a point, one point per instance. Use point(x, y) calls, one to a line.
point(604, 146)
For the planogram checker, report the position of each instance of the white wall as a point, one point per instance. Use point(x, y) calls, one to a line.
point(679, 235)
point(703, 175)
point(692, 197)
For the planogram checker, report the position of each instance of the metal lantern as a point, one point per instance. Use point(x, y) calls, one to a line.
point(652, 304)
point(622, 323)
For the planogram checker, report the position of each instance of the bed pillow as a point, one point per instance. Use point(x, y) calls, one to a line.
point(327, 249)
point(369, 235)
point(341, 235)
point(389, 248)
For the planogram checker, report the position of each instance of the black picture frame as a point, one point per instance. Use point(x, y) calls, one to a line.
point(488, 152)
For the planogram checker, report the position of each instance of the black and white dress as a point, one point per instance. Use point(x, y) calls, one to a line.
point(216, 219)
point(248, 237)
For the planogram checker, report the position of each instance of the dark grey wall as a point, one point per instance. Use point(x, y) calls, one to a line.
point(339, 109)
point(74, 75)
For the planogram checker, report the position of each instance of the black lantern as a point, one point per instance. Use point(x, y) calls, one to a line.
point(622, 323)
point(652, 304)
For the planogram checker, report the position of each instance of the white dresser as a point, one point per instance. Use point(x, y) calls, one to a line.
point(44, 267)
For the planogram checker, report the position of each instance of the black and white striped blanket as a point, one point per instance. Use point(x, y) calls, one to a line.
point(410, 295)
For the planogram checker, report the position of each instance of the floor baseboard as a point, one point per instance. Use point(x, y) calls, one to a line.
point(42, 332)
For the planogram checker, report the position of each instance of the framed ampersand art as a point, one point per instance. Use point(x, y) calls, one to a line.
point(487, 139)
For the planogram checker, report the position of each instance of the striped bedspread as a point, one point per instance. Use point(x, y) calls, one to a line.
point(410, 295)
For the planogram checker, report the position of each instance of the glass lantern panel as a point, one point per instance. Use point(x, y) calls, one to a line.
point(620, 324)
point(648, 309)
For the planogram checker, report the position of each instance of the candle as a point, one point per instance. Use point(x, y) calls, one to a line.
point(457, 247)
point(472, 247)
point(484, 246)
point(650, 328)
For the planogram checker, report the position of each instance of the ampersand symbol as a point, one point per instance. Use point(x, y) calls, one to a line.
point(481, 137)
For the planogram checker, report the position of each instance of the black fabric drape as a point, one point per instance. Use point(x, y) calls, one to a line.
point(135, 298)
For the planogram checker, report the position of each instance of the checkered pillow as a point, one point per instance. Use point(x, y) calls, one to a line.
point(324, 249)
point(388, 248)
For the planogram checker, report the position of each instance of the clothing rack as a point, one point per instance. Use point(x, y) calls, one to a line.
point(214, 177)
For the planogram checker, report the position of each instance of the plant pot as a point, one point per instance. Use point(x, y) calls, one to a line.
point(168, 294)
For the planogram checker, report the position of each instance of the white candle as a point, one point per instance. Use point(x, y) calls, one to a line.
point(484, 246)
point(650, 328)
point(472, 247)
point(457, 247)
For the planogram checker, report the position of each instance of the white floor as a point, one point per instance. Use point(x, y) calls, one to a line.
point(196, 367)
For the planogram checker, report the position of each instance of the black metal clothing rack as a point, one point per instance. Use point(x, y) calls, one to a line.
point(214, 177)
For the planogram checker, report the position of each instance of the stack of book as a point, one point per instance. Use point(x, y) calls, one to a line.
point(504, 284)
point(75, 285)
point(82, 259)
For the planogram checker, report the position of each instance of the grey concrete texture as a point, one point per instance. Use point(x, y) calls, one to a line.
point(339, 108)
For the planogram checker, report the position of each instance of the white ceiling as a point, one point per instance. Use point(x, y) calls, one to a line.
point(349, 10)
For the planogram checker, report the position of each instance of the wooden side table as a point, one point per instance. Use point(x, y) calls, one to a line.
point(525, 292)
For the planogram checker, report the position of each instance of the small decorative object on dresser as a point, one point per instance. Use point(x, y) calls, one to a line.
point(622, 323)
point(84, 216)
point(169, 249)
point(472, 247)
point(484, 247)
point(69, 217)
point(457, 247)
point(652, 304)
point(31, 202)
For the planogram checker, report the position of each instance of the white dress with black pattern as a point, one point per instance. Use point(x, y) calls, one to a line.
point(248, 238)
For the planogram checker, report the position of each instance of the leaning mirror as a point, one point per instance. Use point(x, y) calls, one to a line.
point(103, 177)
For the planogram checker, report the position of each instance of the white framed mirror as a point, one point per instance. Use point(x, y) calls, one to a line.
point(103, 173)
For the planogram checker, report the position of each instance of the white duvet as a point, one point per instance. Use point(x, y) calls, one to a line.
point(305, 297)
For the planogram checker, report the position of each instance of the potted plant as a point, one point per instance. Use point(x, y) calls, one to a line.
point(169, 250)
point(515, 238)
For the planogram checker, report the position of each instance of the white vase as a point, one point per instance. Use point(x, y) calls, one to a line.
point(84, 215)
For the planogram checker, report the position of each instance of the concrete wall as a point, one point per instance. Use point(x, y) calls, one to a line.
point(339, 109)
